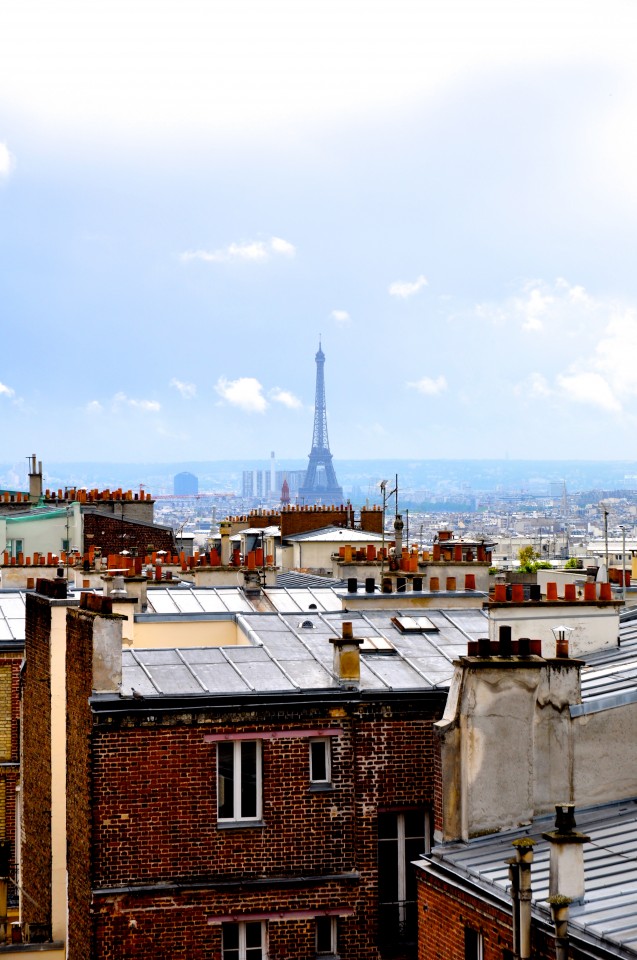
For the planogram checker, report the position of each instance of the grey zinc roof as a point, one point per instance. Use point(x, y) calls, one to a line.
point(291, 653)
point(333, 534)
point(609, 911)
point(609, 677)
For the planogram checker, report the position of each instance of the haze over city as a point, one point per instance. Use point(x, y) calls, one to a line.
point(193, 194)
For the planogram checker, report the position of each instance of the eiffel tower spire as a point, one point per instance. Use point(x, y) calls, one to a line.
point(321, 485)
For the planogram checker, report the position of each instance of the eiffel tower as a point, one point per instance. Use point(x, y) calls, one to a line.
point(320, 485)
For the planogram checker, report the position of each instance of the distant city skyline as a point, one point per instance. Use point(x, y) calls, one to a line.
point(444, 193)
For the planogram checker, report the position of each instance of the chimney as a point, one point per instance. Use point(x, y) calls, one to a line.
point(566, 866)
point(105, 633)
point(224, 530)
point(347, 656)
point(35, 479)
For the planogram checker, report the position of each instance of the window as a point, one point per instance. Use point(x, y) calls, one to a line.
point(243, 941)
point(17, 546)
point(402, 837)
point(473, 944)
point(320, 771)
point(239, 780)
point(326, 936)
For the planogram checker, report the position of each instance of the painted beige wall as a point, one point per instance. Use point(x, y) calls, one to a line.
point(184, 633)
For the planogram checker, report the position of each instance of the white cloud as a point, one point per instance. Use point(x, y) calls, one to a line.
point(94, 407)
point(285, 397)
point(405, 288)
point(146, 406)
point(535, 387)
point(540, 305)
point(250, 251)
point(429, 386)
point(282, 246)
point(6, 391)
point(187, 390)
point(589, 388)
point(7, 161)
point(245, 393)
point(341, 316)
point(275, 59)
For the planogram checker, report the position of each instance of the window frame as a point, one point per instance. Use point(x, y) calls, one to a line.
point(237, 779)
point(242, 949)
point(316, 781)
point(333, 936)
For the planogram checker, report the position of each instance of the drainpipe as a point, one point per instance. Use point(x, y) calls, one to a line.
point(559, 912)
point(520, 874)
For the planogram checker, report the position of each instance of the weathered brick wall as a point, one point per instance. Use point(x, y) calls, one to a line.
point(155, 819)
point(9, 743)
point(112, 536)
point(36, 763)
point(313, 518)
point(371, 520)
point(79, 671)
point(444, 911)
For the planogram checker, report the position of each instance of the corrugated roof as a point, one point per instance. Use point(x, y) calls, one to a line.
point(609, 910)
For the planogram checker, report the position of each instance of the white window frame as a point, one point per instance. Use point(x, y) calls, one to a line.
point(236, 769)
point(333, 946)
point(327, 747)
point(244, 954)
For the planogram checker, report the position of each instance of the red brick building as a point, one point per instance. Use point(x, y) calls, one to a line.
point(259, 799)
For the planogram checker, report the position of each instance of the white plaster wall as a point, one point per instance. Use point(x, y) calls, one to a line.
point(594, 627)
point(497, 748)
point(605, 747)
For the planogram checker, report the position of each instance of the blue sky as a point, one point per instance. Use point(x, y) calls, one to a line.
point(192, 192)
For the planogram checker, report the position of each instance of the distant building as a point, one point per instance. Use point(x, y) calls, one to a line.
point(256, 484)
point(186, 484)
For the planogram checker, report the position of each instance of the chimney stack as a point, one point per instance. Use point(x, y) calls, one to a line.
point(566, 867)
point(347, 655)
point(224, 530)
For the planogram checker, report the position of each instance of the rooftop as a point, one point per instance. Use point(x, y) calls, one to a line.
point(607, 914)
point(289, 653)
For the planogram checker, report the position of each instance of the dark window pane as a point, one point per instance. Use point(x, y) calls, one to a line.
point(414, 823)
point(323, 934)
point(388, 870)
point(471, 944)
point(225, 780)
point(230, 937)
point(319, 759)
point(387, 826)
point(253, 934)
point(249, 779)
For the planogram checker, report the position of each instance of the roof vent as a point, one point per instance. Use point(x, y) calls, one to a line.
point(306, 625)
